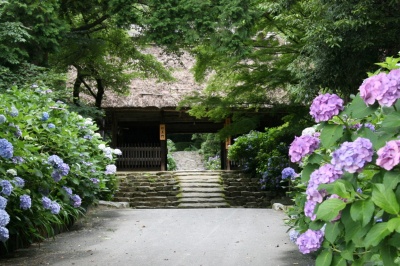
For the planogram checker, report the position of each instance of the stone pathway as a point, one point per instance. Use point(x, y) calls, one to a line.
point(188, 160)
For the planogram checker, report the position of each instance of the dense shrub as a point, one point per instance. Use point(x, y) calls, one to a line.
point(348, 195)
point(171, 164)
point(52, 165)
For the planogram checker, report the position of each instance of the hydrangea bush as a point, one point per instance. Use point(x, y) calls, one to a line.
point(52, 165)
point(347, 199)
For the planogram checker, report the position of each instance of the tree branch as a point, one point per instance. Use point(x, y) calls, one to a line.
point(88, 87)
point(89, 26)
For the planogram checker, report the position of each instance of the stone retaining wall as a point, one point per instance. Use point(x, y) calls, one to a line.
point(243, 191)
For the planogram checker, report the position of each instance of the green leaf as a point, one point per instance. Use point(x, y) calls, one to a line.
point(329, 209)
point(339, 187)
point(394, 224)
point(348, 252)
point(362, 211)
point(339, 261)
point(391, 179)
point(358, 108)
point(324, 258)
point(395, 241)
point(391, 120)
point(307, 170)
point(376, 234)
point(385, 199)
point(388, 255)
point(330, 134)
point(332, 230)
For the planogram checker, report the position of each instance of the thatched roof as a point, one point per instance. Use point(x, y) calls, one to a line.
point(153, 93)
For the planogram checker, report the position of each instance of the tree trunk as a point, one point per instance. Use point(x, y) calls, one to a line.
point(77, 86)
point(100, 93)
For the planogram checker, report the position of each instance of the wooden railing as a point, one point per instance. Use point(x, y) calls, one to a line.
point(140, 156)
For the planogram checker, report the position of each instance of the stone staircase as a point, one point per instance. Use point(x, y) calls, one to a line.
point(201, 189)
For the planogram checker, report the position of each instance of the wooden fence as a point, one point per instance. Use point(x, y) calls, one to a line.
point(140, 156)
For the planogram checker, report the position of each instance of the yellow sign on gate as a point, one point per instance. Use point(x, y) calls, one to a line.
point(162, 132)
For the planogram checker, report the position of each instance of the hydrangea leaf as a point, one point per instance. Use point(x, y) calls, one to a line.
point(378, 232)
point(388, 255)
point(362, 211)
point(332, 230)
point(347, 253)
point(394, 224)
point(391, 179)
point(330, 134)
point(339, 261)
point(392, 120)
point(385, 199)
point(329, 209)
point(340, 187)
point(324, 258)
point(358, 109)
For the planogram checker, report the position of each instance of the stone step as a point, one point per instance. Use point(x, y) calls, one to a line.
point(202, 190)
point(201, 195)
point(199, 184)
point(203, 205)
point(202, 200)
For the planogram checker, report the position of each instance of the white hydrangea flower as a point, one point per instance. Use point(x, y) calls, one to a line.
point(12, 172)
point(97, 135)
point(117, 152)
point(88, 121)
point(102, 146)
point(310, 131)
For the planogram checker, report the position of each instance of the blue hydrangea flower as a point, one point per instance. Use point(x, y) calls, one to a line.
point(3, 119)
point(4, 218)
point(110, 169)
point(55, 208)
point(45, 116)
point(25, 202)
point(68, 190)
point(293, 235)
point(19, 182)
point(18, 132)
point(55, 161)
point(95, 180)
point(7, 187)
point(51, 125)
point(77, 200)
point(56, 175)
point(4, 235)
point(63, 169)
point(46, 202)
point(14, 112)
point(3, 203)
point(288, 172)
point(6, 149)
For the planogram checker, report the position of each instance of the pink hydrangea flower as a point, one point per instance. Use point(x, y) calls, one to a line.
point(310, 241)
point(325, 106)
point(302, 146)
point(389, 155)
point(384, 88)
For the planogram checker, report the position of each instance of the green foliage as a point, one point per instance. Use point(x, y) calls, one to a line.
point(35, 138)
point(361, 225)
point(210, 149)
point(264, 154)
point(171, 164)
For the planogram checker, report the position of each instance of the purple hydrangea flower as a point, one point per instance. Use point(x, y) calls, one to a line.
point(7, 187)
point(56, 176)
point(17, 160)
point(4, 235)
point(51, 125)
point(366, 125)
point(293, 235)
point(4, 218)
point(46, 202)
point(325, 106)
point(95, 180)
point(389, 155)
point(55, 207)
point(45, 116)
point(77, 200)
point(110, 169)
point(6, 149)
point(310, 241)
point(68, 190)
point(302, 146)
point(14, 111)
point(25, 202)
point(309, 208)
point(19, 182)
point(384, 88)
point(3, 119)
point(288, 172)
point(352, 156)
point(3, 203)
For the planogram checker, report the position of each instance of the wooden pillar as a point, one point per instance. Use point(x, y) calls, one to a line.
point(163, 145)
point(224, 155)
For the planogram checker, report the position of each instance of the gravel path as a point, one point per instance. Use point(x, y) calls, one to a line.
point(188, 160)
